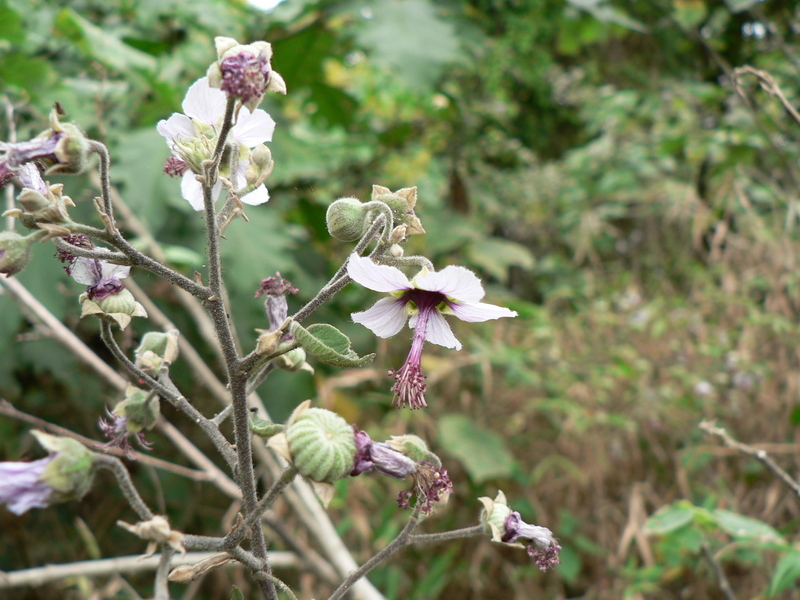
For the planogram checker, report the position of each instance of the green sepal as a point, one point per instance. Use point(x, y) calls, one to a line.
point(328, 344)
point(263, 427)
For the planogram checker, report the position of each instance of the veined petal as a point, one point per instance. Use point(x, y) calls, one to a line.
point(385, 318)
point(438, 331)
point(112, 271)
point(257, 196)
point(86, 271)
point(253, 129)
point(177, 127)
point(379, 278)
point(479, 311)
point(204, 103)
point(456, 282)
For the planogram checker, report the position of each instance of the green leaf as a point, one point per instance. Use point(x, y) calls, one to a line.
point(495, 256)
point(328, 344)
point(237, 594)
point(669, 518)
point(737, 6)
point(264, 428)
point(608, 14)
point(101, 45)
point(786, 573)
point(10, 24)
point(482, 452)
point(409, 38)
point(740, 526)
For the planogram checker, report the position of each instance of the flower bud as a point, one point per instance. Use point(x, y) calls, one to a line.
point(140, 408)
point(294, 361)
point(414, 447)
point(346, 219)
point(39, 202)
point(15, 250)
point(401, 203)
point(72, 150)
point(156, 350)
point(119, 307)
point(322, 445)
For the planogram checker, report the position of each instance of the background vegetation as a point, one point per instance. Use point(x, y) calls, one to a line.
point(595, 162)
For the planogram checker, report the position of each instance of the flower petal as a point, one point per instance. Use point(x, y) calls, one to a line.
point(177, 127)
point(253, 129)
point(192, 191)
point(479, 311)
point(456, 282)
point(204, 103)
point(256, 197)
point(87, 271)
point(385, 318)
point(438, 331)
point(379, 278)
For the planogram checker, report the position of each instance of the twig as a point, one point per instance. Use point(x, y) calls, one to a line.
point(161, 586)
point(722, 580)
point(768, 84)
point(123, 564)
point(113, 464)
point(713, 429)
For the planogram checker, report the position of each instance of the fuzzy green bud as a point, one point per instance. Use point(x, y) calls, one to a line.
point(119, 307)
point(72, 150)
point(494, 515)
point(414, 447)
point(156, 350)
point(15, 250)
point(70, 473)
point(322, 445)
point(140, 408)
point(346, 219)
point(401, 203)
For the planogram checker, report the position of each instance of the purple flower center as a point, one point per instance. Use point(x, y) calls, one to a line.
point(409, 388)
point(175, 167)
point(244, 76)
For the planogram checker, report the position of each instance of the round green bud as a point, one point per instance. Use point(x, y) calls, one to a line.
point(346, 219)
point(15, 252)
point(322, 445)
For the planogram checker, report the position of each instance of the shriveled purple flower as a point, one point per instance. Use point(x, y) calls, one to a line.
point(21, 488)
point(79, 241)
point(275, 290)
point(431, 484)
point(425, 299)
point(507, 527)
point(116, 429)
point(14, 155)
point(244, 72)
point(101, 278)
point(545, 547)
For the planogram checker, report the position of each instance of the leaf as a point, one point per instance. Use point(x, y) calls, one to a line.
point(737, 6)
point(608, 14)
point(495, 256)
point(482, 452)
point(237, 594)
point(101, 45)
point(669, 518)
point(409, 38)
point(328, 344)
point(786, 573)
point(263, 427)
point(740, 526)
point(10, 24)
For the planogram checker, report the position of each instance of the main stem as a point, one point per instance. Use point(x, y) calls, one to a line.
point(237, 379)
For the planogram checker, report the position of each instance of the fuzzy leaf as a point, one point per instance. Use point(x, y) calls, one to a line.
point(328, 344)
point(263, 427)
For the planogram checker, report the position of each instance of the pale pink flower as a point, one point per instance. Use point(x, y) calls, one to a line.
point(192, 135)
point(422, 301)
point(21, 487)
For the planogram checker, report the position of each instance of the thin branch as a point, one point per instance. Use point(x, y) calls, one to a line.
point(722, 580)
point(122, 564)
point(113, 464)
point(396, 544)
point(162, 573)
point(761, 455)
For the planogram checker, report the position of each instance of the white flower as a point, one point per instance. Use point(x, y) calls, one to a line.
point(422, 301)
point(192, 137)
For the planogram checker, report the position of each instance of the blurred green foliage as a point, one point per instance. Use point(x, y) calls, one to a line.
point(592, 160)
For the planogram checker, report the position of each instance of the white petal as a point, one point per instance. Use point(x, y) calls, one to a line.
point(253, 129)
point(385, 318)
point(479, 311)
point(257, 196)
point(192, 191)
point(111, 271)
point(177, 127)
point(437, 331)
point(380, 278)
point(457, 282)
point(84, 270)
point(204, 103)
